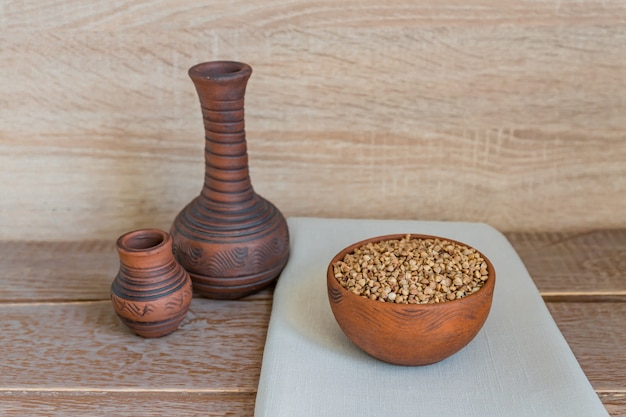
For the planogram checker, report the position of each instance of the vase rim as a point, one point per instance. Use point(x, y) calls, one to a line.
point(220, 70)
point(143, 241)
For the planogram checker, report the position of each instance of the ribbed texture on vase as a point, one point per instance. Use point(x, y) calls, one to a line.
point(148, 285)
point(151, 292)
point(231, 254)
point(232, 241)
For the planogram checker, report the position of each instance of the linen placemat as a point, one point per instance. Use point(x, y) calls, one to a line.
point(518, 365)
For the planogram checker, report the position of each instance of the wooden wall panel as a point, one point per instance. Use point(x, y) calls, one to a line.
point(507, 112)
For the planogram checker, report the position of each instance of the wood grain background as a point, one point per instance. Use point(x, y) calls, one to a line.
point(506, 112)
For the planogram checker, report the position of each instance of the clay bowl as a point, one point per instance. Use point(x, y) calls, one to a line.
point(409, 334)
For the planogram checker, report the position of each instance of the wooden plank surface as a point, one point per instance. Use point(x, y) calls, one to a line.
point(596, 332)
point(92, 362)
point(581, 266)
point(200, 360)
point(615, 403)
point(139, 404)
point(507, 112)
point(150, 404)
point(587, 265)
point(83, 346)
point(61, 271)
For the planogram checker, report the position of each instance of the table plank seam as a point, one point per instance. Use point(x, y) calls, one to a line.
point(183, 390)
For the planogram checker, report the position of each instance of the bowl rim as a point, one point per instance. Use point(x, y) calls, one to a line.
point(330, 276)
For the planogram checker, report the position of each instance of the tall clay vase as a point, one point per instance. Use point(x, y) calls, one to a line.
point(151, 293)
point(232, 241)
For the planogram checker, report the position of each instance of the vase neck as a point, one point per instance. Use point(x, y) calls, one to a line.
point(145, 249)
point(221, 87)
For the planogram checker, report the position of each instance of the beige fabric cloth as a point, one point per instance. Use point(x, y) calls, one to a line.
point(518, 365)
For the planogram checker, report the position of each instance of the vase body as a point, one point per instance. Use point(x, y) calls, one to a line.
point(152, 292)
point(232, 241)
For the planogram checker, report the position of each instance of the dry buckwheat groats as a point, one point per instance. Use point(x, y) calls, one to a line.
point(412, 271)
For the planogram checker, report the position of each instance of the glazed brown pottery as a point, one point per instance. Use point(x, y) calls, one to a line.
point(151, 293)
point(232, 241)
point(409, 334)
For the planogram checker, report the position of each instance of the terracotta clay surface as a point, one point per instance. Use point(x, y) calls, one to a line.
point(409, 334)
point(232, 241)
point(151, 293)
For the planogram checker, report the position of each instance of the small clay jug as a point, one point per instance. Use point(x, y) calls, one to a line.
point(232, 241)
point(152, 292)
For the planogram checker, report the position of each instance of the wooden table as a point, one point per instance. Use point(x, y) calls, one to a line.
point(65, 352)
